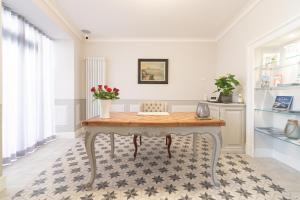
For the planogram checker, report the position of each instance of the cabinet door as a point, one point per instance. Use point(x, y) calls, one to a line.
point(234, 131)
point(214, 111)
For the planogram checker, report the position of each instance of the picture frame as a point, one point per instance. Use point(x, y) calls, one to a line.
point(153, 71)
point(282, 103)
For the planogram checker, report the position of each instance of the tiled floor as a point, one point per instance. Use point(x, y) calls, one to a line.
point(25, 170)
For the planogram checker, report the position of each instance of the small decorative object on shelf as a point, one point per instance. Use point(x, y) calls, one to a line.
point(277, 79)
point(202, 111)
point(292, 129)
point(265, 81)
point(282, 103)
point(240, 98)
point(271, 59)
point(214, 97)
point(226, 85)
point(105, 95)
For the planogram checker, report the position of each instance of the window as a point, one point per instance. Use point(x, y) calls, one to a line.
point(28, 82)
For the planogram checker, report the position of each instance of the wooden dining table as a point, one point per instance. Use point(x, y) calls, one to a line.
point(127, 124)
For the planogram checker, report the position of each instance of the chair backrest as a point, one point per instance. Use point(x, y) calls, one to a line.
point(154, 106)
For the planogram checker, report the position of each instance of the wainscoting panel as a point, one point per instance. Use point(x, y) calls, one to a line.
point(183, 108)
point(80, 105)
point(61, 112)
point(64, 115)
point(118, 108)
point(134, 108)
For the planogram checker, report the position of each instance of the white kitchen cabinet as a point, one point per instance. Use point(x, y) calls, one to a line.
point(233, 133)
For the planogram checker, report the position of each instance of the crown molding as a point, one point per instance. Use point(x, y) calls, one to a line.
point(151, 40)
point(57, 13)
point(238, 18)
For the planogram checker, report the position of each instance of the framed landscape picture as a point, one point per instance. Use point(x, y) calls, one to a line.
point(152, 71)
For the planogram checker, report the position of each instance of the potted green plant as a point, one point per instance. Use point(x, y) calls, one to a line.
point(225, 85)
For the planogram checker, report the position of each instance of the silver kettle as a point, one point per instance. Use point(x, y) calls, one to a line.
point(202, 110)
point(292, 129)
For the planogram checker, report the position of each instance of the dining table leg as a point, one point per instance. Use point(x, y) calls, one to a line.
point(169, 142)
point(90, 150)
point(216, 136)
point(135, 145)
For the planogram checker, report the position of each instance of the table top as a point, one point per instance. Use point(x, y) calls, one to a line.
point(175, 119)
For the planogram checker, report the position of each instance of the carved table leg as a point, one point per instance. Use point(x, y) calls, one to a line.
point(215, 157)
point(135, 145)
point(169, 141)
point(90, 149)
point(112, 145)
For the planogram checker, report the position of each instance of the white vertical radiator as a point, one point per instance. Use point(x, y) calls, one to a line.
point(95, 75)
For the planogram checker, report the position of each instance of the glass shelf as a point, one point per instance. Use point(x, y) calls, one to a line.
point(264, 67)
point(280, 87)
point(278, 67)
point(279, 112)
point(276, 133)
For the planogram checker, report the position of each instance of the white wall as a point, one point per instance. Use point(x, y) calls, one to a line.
point(64, 69)
point(266, 16)
point(192, 68)
point(64, 85)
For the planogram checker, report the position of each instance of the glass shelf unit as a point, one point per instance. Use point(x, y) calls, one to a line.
point(279, 112)
point(278, 134)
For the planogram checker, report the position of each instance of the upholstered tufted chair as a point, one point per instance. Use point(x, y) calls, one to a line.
point(153, 106)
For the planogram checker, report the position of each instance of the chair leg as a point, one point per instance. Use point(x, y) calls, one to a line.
point(135, 145)
point(169, 139)
point(140, 140)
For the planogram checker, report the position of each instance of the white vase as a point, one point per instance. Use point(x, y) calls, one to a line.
point(105, 108)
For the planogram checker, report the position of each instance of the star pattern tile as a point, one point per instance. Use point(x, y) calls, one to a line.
point(152, 175)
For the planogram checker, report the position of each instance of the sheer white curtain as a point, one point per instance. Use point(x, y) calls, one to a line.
point(28, 83)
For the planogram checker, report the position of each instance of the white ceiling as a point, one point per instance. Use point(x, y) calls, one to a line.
point(151, 19)
point(37, 17)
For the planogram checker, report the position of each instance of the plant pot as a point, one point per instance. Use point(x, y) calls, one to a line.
point(105, 108)
point(226, 99)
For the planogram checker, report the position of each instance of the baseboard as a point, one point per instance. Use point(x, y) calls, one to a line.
point(2, 184)
point(235, 150)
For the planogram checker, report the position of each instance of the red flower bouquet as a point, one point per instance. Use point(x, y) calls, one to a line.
point(105, 92)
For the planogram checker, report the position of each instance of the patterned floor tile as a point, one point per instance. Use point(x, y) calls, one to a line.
point(152, 175)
